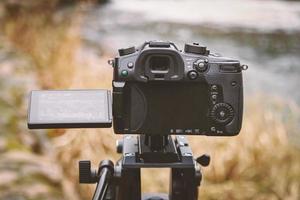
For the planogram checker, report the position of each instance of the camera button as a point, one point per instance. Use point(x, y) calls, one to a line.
point(192, 75)
point(214, 96)
point(130, 65)
point(214, 87)
point(200, 66)
point(124, 73)
point(179, 131)
point(188, 131)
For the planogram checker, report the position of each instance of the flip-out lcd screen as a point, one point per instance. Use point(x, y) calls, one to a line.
point(70, 109)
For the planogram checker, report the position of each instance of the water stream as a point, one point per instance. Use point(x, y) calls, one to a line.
point(263, 35)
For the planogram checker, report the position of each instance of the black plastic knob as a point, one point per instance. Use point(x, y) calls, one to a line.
point(203, 160)
point(195, 48)
point(222, 113)
point(119, 146)
point(86, 175)
point(126, 51)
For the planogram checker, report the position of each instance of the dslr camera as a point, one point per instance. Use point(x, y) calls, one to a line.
point(157, 90)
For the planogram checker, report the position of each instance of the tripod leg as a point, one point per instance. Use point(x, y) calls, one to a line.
point(130, 185)
point(176, 184)
point(190, 186)
point(102, 185)
point(183, 184)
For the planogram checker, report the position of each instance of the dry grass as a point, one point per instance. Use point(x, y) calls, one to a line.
point(51, 42)
point(260, 163)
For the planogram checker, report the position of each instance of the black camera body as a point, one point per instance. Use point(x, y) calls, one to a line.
point(161, 90)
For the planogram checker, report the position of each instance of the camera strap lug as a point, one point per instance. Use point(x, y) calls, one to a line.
point(244, 67)
point(111, 62)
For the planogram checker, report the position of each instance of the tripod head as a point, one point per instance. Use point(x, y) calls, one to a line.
point(137, 152)
point(155, 142)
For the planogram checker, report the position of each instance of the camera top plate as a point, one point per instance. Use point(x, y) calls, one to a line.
point(70, 109)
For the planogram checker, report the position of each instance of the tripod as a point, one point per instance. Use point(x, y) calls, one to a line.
point(122, 181)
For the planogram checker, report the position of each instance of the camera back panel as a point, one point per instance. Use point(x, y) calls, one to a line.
point(160, 90)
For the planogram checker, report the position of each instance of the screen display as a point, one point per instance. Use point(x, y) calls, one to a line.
point(162, 106)
point(69, 109)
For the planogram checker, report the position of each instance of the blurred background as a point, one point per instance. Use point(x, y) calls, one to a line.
point(61, 44)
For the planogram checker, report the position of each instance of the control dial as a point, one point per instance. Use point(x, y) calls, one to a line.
point(222, 113)
point(195, 48)
point(126, 51)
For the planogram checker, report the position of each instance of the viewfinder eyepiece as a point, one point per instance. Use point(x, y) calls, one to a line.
point(159, 63)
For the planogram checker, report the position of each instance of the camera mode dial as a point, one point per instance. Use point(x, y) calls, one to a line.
point(126, 51)
point(222, 113)
point(195, 48)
